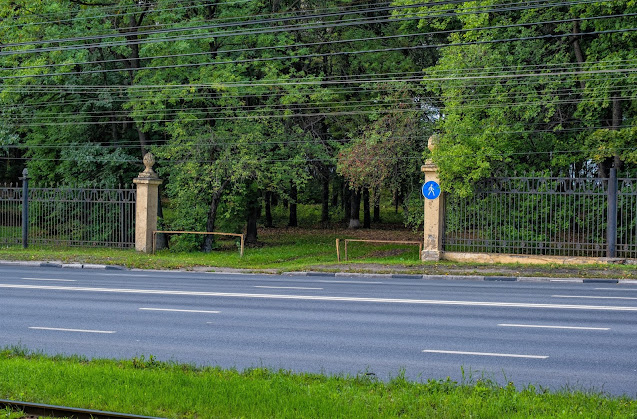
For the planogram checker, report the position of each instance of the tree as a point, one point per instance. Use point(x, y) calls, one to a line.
point(527, 89)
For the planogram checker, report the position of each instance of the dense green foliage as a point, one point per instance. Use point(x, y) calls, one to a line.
point(253, 104)
point(545, 89)
point(148, 387)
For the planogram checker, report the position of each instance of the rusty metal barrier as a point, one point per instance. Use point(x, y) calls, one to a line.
point(48, 410)
point(338, 250)
point(242, 236)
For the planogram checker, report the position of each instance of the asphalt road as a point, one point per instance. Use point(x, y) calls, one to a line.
point(554, 335)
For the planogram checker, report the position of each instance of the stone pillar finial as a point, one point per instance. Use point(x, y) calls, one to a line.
point(149, 162)
point(432, 143)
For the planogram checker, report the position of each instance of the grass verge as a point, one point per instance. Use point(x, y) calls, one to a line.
point(300, 249)
point(144, 386)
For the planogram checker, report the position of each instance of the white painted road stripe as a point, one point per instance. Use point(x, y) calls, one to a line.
point(594, 297)
point(178, 310)
point(485, 354)
point(72, 330)
point(133, 275)
point(325, 281)
point(554, 327)
point(320, 298)
point(49, 279)
point(288, 288)
point(616, 289)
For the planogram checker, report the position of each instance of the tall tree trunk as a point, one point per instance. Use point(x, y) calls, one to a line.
point(346, 202)
point(336, 188)
point(376, 206)
point(143, 140)
point(268, 210)
point(577, 49)
point(253, 216)
point(616, 121)
point(294, 194)
point(396, 201)
point(367, 219)
point(325, 207)
point(211, 220)
point(355, 207)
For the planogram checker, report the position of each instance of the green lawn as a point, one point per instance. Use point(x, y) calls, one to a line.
point(303, 249)
point(279, 249)
point(146, 387)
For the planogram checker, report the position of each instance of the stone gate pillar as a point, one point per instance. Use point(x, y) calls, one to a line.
point(146, 205)
point(434, 211)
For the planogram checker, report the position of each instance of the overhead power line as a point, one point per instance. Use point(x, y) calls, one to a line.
point(279, 47)
point(329, 54)
point(279, 29)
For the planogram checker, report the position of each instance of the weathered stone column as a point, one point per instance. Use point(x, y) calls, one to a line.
point(434, 212)
point(146, 206)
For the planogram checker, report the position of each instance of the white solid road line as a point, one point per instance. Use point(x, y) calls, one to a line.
point(616, 289)
point(179, 310)
point(133, 275)
point(434, 351)
point(327, 281)
point(320, 298)
point(288, 288)
point(553, 327)
point(72, 330)
point(49, 279)
point(594, 297)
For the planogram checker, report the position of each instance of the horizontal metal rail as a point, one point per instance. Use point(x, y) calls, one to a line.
point(338, 251)
point(242, 236)
point(47, 410)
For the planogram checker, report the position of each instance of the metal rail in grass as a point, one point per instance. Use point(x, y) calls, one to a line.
point(241, 236)
point(48, 410)
point(338, 251)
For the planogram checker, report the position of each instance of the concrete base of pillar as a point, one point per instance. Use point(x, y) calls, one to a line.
point(430, 255)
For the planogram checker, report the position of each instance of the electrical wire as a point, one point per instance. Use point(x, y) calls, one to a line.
point(210, 142)
point(318, 55)
point(340, 23)
point(303, 45)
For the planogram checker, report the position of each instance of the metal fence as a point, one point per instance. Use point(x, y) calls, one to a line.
point(589, 217)
point(70, 216)
point(10, 214)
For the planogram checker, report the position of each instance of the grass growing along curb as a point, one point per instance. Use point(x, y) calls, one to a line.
point(285, 249)
point(144, 386)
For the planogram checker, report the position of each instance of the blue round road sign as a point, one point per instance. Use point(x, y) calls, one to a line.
point(431, 190)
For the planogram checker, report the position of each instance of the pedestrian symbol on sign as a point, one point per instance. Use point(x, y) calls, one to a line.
point(431, 190)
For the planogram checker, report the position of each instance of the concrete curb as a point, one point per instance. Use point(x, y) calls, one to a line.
point(60, 265)
point(465, 277)
point(489, 278)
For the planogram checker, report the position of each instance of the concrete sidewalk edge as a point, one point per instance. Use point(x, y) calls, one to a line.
point(490, 278)
point(59, 264)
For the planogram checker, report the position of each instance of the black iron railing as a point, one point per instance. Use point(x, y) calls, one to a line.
point(562, 216)
point(69, 216)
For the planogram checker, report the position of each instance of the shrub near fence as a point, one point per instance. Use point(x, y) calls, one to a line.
point(543, 216)
point(70, 216)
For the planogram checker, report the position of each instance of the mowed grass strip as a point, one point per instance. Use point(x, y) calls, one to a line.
point(147, 387)
point(278, 249)
point(298, 249)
